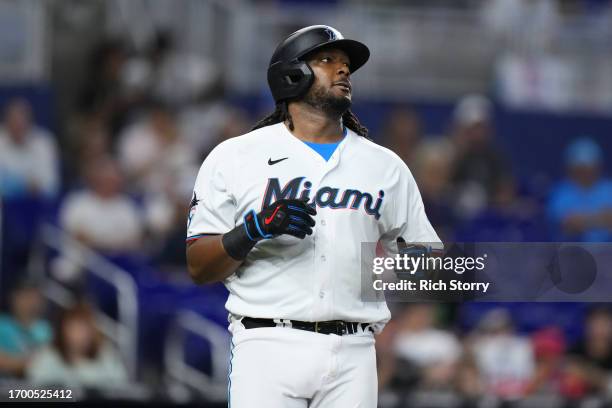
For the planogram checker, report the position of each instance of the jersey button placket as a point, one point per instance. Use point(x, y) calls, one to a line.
point(319, 245)
point(322, 242)
point(323, 256)
point(321, 264)
point(327, 263)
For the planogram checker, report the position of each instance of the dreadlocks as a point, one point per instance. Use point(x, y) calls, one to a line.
point(281, 114)
point(350, 121)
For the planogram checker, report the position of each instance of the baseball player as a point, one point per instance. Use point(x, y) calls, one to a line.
point(279, 215)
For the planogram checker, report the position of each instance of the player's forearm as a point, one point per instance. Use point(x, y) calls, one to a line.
point(208, 262)
point(214, 258)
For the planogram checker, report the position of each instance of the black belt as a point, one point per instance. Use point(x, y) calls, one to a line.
point(337, 327)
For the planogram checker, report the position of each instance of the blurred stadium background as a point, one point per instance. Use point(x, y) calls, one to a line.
point(501, 108)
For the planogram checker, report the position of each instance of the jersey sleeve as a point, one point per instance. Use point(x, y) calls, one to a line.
point(407, 217)
point(212, 206)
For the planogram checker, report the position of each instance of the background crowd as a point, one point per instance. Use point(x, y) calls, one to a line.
point(115, 168)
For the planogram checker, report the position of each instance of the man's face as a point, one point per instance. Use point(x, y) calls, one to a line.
point(331, 90)
point(599, 326)
point(27, 304)
point(584, 174)
point(105, 179)
point(18, 121)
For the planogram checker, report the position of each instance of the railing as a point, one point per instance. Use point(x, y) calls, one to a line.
point(124, 330)
point(213, 385)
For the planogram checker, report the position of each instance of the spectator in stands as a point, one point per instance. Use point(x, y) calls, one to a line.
point(28, 182)
point(169, 73)
point(386, 362)
point(509, 217)
point(548, 347)
point(103, 94)
point(169, 249)
point(203, 121)
point(79, 355)
point(238, 123)
point(402, 134)
point(575, 375)
point(89, 140)
point(596, 347)
point(23, 331)
point(153, 152)
point(28, 155)
point(160, 165)
point(580, 207)
point(505, 359)
point(433, 161)
point(434, 352)
point(479, 166)
point(468, 381)
point(102, 216)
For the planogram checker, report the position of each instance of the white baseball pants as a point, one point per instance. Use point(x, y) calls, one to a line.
point(278, 367)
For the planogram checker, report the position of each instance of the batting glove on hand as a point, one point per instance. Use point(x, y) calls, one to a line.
point(292, 217)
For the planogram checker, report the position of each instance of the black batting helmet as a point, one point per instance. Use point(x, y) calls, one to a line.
point(290, 77)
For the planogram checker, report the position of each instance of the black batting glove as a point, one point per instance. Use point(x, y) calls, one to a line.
point(292, 217)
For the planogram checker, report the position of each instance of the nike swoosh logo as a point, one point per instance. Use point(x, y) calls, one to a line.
point(273, 162)
point(271, 217)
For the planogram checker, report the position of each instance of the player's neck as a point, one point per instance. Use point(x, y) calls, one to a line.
point(312, 125)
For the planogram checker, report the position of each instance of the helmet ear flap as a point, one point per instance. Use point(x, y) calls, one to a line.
point(289, 80)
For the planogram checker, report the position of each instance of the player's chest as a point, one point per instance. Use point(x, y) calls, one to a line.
point(353, 190)
point(349, 180)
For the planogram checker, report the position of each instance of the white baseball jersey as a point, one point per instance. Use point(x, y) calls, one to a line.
point(363, 193)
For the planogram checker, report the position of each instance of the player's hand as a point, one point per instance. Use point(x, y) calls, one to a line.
point(292, 217)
